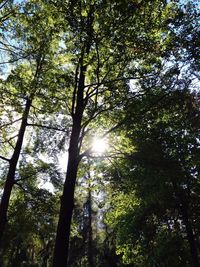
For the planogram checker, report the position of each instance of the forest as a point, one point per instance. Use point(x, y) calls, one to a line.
point(99, 133)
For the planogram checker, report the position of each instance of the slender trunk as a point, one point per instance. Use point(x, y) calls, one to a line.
point(10, 180)
point(61, 249)
point(90, 245)
point(66, 210)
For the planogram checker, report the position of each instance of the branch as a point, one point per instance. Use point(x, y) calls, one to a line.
point(94, 115)
point(100, 109)
point(24, 178)
point(10, 123)
point(47, 127)
point(98, 72)
point(3, 158)
point(15, 60)
point(9, 139)
point(21, 187)
point(75, 87)
point(9, 142)
point(98, 82)
point(117, 80)
point(6, 16)
point(9, 46)
point(122, 122)
point(108, 156)
point(3, 4)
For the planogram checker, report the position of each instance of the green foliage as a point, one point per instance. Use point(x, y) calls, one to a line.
point(158, 177)
point(140, 65)
point(31, 230)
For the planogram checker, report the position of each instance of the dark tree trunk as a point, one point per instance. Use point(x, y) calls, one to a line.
point(10, 180)
point(90, 245)
point(61, 249)
point(66, 210)
point(190, 237)
point(184, 208)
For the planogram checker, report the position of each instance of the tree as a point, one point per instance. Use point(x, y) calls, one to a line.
point(30, 233)
point(82, 243)
point(23, 86)
point(98, 87)
point(79, 74)
point(159, 177)
point(159, 192)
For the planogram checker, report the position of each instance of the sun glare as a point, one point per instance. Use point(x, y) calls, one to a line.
point(99, 145)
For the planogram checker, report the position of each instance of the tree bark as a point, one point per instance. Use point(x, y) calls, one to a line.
point(66, 210)
point(61, 250)
point(10, 180)
point(90, 238)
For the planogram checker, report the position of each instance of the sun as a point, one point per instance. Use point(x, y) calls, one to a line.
point(99, 145)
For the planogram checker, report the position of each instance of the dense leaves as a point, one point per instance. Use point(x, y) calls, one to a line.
point(125, 71)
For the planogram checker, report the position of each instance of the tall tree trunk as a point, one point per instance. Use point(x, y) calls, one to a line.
point(61, 249)
point(90, 245)
point(10, 180)
point(66, 210)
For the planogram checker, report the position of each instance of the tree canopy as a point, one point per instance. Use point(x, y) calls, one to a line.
point(123, 75)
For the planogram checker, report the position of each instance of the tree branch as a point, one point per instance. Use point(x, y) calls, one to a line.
point(10, 123)
point(117, 80)
point(5, 159)
point(3, 4)
point(21, 187)
point(122, 122)
point(47, 127)
point(7, 141)
point(74, 92)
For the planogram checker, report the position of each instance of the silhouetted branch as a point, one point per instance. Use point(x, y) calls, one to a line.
point(3, 158)
point(47, 127)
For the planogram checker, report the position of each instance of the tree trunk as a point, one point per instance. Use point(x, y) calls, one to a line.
point(66, 210)
point(61, 249)
point(10, 180)
point(184, 207)
point(90, 245)
point(190, 237)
